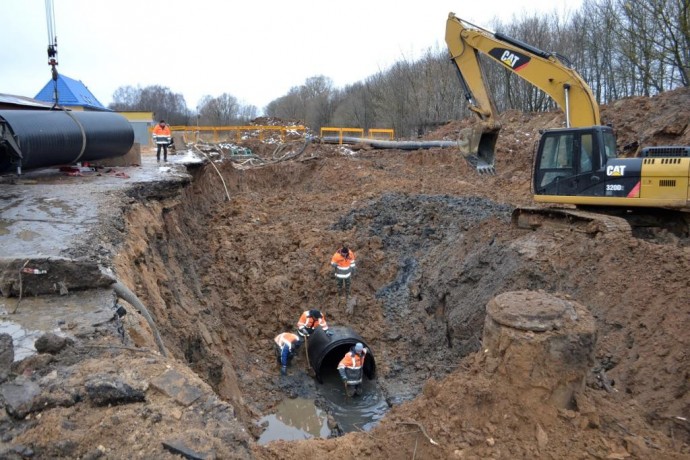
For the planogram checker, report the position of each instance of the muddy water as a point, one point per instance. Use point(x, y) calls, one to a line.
point(29, 318)
point(358, 412)
point(294, 419)
point(22, 339)
point(299, 418)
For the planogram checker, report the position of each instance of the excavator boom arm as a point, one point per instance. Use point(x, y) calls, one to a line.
point(543, 70)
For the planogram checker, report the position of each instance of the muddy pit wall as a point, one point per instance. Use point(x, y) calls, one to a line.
point(162, 262)
point(167, 259)
point(436, 268)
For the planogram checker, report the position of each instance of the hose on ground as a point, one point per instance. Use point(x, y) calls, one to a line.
point(123, 292)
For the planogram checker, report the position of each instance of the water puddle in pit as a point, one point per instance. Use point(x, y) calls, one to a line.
point(295, 419)
point(358, 412)
point(299, 419)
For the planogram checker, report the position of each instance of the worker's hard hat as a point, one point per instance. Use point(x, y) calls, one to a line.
point(359, 347)
point(315, 313)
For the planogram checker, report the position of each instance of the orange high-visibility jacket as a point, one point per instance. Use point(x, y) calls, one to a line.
point(343, 265)
point(310, 323)
point(286, 338)
point(162, 131)
point(162, 134)
point(352, 360)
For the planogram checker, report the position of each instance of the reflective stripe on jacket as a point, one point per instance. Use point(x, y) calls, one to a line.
point(350, 367)
point(352, 360)
point(162, 135)
point(343, 265)
point(310, 323)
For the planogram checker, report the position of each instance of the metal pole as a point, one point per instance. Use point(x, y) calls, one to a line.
point(567, 104)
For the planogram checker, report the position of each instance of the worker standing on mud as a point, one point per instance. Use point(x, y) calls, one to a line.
point(343, 263)
point(162, 136)
point(310, 320)
point(351, 369)
point(286, 348)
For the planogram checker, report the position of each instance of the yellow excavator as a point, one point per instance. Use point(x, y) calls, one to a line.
point(577, 164)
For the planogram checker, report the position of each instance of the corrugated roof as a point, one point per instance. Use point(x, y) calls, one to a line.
point(71, 92)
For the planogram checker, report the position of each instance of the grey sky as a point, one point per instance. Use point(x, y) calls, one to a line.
point(254, 50)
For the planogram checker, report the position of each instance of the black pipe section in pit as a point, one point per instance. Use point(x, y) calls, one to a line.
point(33, 139)
point(325, 352)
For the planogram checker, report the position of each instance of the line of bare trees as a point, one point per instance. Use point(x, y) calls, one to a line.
point(166, 105)
point(622, 48)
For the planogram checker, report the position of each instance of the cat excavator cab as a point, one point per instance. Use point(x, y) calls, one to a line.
point(575, 165)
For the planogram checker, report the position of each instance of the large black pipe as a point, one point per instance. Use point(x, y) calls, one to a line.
point(326, 351)
point(31, 139)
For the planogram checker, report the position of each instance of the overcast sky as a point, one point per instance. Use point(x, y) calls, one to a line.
point(254, 50)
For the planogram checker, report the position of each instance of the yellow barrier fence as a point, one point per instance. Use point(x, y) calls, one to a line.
point(340, 132)
point(372, 133)
point(197, 131)
point(388, 132)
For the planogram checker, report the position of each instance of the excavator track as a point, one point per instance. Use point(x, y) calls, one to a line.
point(585, 221)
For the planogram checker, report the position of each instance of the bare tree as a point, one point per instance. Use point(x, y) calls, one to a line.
point(316, 95)
point(290, 106)
point(222, 110)
point(620, 47)
point(669, 39)
point(125, 97)
point(157, 99)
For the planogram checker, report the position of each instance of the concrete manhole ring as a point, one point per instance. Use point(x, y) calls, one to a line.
point(529, 310)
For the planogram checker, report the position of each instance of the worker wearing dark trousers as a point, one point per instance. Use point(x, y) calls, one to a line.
point(351, 369)
point(286, 346)
point(343, 263)
point(162, 136)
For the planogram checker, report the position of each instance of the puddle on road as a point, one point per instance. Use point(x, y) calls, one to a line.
point(295, 419)
point(22, 339)
point(61, 315)
point(55, 208)
point(28, 235)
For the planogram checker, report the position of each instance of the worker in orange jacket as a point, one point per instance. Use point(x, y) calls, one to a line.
point(162, 137)
point(286, 346)
point(351, 368)
point(343, 263)
point(310, 320)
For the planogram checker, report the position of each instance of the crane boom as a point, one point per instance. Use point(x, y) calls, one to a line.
point(52, 35)
point(52, 47)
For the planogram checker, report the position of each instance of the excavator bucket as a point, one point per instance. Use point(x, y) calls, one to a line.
point(477, 145)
